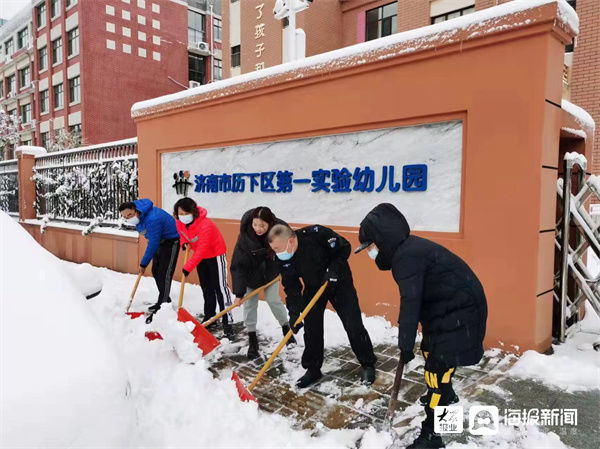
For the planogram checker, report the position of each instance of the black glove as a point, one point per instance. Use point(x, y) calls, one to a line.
point(331, 277)
point(406, 356)
point(292, 321)
point(186, 273)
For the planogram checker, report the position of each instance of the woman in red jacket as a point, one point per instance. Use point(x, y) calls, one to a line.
point(206, 241)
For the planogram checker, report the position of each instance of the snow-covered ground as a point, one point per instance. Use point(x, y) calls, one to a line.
point(177, 400)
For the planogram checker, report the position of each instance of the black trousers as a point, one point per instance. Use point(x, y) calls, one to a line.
point(438, 377)
point(345, 302)
point(213, 281)
point(163, 267)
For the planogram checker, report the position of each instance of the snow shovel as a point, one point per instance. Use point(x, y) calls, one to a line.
point(244, 299)
point(134, 314)
point(389, 416)
point(246, 394)
point(204, 339)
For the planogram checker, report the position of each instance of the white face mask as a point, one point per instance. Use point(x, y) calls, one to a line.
point(186, 219)
point(373, 252)
point(133, 220)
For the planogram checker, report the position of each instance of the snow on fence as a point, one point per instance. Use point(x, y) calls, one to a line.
point(9, 187)
point(86, 184)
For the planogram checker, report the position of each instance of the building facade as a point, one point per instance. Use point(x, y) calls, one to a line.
point(253, 38)
point(72, 69)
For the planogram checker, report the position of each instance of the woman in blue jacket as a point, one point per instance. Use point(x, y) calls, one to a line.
point(158, 227)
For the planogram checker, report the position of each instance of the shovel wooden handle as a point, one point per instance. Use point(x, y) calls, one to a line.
point(288, 336)
point(182, 288)
point(244, 299)
point(395, 389)
point(137, 281)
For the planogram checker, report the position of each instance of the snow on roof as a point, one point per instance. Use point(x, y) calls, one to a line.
point(479, 23)
point(581, 115)
point(27, 149)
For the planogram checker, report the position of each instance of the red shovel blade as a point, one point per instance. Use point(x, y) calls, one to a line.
point(134, 315)
point(204, 339)
point(243, 392)
point(152, 335)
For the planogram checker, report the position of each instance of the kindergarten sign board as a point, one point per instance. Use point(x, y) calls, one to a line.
point(331, 180)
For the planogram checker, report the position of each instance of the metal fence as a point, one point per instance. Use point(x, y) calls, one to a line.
point(86, 184)
point(9, 187)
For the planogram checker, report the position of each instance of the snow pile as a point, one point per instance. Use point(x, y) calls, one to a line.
point(27, 149)
point(581, 115)
point(62, 383)
point(178, 334)
point(576, 158)
point(574, 366)
point(575, 132)
point(85, 277)
point(420, 38)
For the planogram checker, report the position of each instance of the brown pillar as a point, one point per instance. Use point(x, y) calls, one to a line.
point(26, 185)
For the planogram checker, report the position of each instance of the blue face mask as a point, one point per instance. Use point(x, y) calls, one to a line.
point(373, 252)
point(285, 255)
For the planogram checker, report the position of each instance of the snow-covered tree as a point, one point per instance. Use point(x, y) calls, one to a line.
point(65, 140)
point(9, 132)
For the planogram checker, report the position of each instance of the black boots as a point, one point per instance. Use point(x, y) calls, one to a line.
point(427, 440)
point(286, 328)
point(228, 330)
point(252, 346)
point(310, 377)
point(368, 375)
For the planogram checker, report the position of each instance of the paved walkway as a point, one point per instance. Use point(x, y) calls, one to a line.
point(339, 400)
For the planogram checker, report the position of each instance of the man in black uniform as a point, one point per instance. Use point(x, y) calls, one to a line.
point(437, 289)
point(317, 254)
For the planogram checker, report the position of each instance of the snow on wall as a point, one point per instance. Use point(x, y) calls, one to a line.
point(480, 22)
point(581, 115)
point(62, 383)
point(438, 145)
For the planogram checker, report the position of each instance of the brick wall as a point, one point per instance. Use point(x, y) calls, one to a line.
point(585, 75)
point(114, 79)
point(413, 14)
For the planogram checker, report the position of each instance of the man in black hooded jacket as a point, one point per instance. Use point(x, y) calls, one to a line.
point(437, 289)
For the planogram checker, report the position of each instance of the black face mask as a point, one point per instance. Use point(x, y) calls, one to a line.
point(381, 262)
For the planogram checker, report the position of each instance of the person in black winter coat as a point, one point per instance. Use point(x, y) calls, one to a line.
point(438, 290)
point(317, 254)
point(252, 266)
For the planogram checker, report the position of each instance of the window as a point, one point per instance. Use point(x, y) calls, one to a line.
point(57, 51)
point(1, 89)
point(74, 90)
point(9, 47)
point(217, 26)
point(75, 129)
point(44, 101)
point(45, 138)
point(24, 78)
point(54, 8)
point(11, 82)
point(58, 96)
point(453, 14)
point(26, 113)
point(23, 38)
point(73, 42)
point(26, 142)
point(196, 27)
point(569, 48)
point(235, 56)
point(218, 70)
point(40, 13)
point(197, 68)
point(43, 58)
point(382, 21)
point(71, 3)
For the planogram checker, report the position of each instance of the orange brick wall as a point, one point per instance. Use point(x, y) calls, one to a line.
point(483, 4)
point(585, 75)
point(413, 14)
